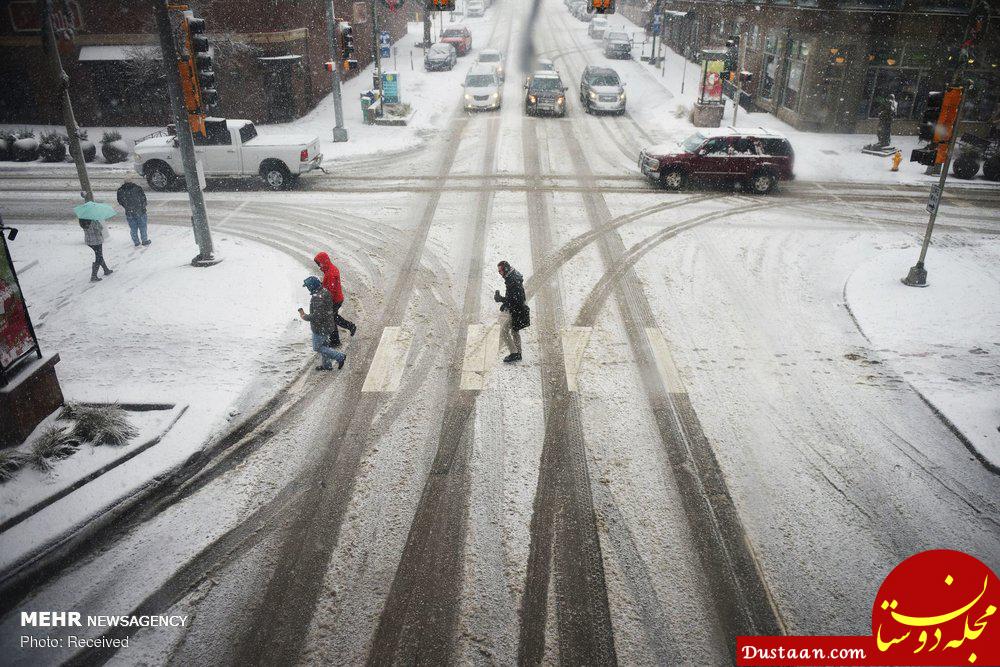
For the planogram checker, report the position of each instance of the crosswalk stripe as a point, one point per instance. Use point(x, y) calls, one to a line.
point(386, 370)
point(664, 361)
point(574, 343)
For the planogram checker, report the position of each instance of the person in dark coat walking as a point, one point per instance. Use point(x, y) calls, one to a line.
point(322, 319)
point(331, 281)
point(93, 236)
point(133, 200)
point(517, 313)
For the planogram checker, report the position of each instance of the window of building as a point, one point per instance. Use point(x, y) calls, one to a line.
point(956, 6)
point(795, 67)
point(982, 102)
point(769, 66)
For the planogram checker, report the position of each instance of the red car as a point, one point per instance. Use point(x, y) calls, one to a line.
point(757, 159)
point(459, 37)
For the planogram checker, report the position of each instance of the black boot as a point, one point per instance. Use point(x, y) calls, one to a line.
point(512, 357)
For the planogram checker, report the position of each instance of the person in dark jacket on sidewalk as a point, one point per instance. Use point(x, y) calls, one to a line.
point(321, 319)
point(516, 311)
point(331, 281)
point(133, 200)
point(93, 236)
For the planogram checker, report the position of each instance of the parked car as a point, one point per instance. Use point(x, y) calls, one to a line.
point(440, 56)
point(232, 149)
point(581, 11)
point(494, 59)
point(545, 65)
point(602, 90)
point(598, 25)
point(545, 93)
point(617, 44)
point(756, 158)
point(458, 36)
point(482, 88)
point(474, 8)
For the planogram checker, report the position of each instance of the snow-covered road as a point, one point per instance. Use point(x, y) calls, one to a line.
point(700, 442)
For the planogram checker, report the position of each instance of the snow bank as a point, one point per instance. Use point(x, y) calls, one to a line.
point(943, 339)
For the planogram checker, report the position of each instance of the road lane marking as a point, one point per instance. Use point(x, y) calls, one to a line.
point(664, 361)
point(574, 343)
point(386, 370)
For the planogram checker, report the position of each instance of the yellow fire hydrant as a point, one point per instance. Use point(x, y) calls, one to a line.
point(897, 157)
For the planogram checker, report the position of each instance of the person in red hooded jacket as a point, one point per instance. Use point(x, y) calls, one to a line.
point(331, 281)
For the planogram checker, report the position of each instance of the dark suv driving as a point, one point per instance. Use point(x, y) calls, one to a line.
point(544, 92)
point(755, 158)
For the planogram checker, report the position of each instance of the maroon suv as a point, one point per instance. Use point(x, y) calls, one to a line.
point(757, 159)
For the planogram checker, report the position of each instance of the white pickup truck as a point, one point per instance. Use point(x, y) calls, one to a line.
point(232, 149)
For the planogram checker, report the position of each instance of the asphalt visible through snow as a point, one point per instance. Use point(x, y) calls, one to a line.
point(686, 454)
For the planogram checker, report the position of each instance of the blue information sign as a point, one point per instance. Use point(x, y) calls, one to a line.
point(390, 87)
point(384, 44)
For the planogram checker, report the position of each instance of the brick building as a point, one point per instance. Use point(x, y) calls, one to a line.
point(269, 58)
point(828, 64)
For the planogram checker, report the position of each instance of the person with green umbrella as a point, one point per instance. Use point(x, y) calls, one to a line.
point(91, 216)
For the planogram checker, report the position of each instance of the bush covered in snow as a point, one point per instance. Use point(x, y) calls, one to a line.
point(6, 145)
point(100, 424)
point(52, 147)
point(113, 147)
point(54, 444)
point(25, 146)
point(11, 461)
point(87, 146)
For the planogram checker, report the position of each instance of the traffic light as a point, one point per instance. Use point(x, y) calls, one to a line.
point(201, 51)
point(602, 6)
point(440, 5)
point(937, 126)
point(346, 41)
point(949, 114)
point(925, 156)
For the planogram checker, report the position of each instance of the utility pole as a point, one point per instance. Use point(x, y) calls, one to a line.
point(917, 277)
point(332, 35)
point(199, 216)
point(376, 53)
point(427, 28)
point(69, 119)
point(739, 79)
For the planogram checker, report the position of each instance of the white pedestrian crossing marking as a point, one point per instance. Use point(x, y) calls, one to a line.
point(664, 361)
point(482, 347)
point(574, 343)
point(386, 370)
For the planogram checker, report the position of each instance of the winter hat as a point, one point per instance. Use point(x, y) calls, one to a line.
point(312, 283)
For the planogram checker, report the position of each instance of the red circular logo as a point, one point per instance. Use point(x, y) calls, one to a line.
point(939, 607)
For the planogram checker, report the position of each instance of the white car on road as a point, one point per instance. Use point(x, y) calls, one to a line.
point(482, 88)
point(231, 149)
point(492, 58)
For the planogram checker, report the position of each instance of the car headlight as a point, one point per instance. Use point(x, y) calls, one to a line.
point(560, 99)
point(495, 96)
point(621, 98)
point(593, 95)
point(468, 98)
point(532, 99)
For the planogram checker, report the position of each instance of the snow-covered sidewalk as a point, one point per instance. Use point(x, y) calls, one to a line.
point(218, 341)
point(944, 340)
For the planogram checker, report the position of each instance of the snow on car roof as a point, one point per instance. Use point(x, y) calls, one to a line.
point(489, 52)
point(481, 69)
point(742, 131)
point(545, 74)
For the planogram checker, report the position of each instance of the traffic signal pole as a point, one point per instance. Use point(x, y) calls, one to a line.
point(199, 215)
point(339, 131)
point(69, 118)
point(917, 277)
point(739, 79)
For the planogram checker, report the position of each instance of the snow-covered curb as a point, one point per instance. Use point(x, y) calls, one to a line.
point(943, 340)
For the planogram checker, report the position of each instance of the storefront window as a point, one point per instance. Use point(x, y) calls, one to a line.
point(769, 69)
point(795, 67)
point(983, 98)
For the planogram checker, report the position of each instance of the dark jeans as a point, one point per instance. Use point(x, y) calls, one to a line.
point(341, 322)
point(99, 262)
point(137, 222)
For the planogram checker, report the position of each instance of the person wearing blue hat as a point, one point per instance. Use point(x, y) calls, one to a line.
point(322, 318)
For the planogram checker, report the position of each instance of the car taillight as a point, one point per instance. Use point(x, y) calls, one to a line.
point(304, 155)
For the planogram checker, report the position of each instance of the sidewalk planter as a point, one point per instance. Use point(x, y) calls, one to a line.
point(113, 147)
point(26, 148)
point(6, 146)
point(87, 146)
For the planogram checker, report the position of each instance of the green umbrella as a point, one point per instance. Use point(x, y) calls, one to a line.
point(93, 210)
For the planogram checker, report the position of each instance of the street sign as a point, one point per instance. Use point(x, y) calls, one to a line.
point(384, 44)
point(935, 198)
point(657, 23)
point(390, 87)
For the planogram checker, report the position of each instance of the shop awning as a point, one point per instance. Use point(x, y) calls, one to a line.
point(278, 59)
point(119, 52)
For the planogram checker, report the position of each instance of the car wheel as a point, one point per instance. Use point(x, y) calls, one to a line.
point(761, 183)
point(673, 179)
point(276, 175)
point(965, 167)
point(160, 177)
point(991, 169)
